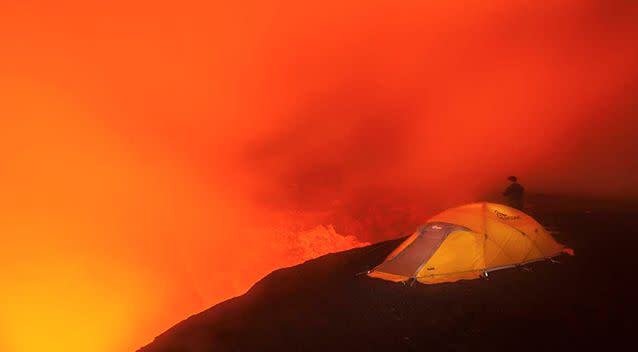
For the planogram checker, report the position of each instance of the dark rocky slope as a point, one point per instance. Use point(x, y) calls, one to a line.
point(586, 301)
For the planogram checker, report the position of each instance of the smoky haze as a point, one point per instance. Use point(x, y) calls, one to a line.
point(414, 109)
point(158, 159)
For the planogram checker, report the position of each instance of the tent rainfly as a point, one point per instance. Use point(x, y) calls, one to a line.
point(467, 242)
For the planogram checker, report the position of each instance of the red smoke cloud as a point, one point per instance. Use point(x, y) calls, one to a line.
point(158, 159)
point(425, 106)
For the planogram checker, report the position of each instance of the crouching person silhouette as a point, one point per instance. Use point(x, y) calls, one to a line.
point(514, 193)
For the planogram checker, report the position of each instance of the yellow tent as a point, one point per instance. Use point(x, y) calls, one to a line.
point(467, 242)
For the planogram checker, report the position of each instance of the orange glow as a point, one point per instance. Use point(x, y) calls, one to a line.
point(157, 158)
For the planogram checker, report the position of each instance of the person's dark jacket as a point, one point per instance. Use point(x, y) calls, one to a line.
point(514, 194)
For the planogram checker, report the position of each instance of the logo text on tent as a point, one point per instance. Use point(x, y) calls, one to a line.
point(504, 216)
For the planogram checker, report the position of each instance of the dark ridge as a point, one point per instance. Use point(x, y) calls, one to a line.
point(324, 304)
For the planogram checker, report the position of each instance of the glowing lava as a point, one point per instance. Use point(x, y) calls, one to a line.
point(157, 158)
